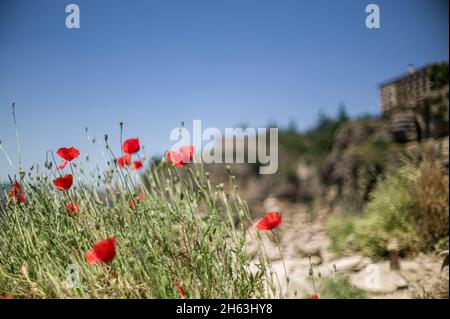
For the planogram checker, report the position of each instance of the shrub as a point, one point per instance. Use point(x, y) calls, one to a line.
point(388, 216)
point(340, 287)
point(339, 229)
point(431, 209)
point(410, 206)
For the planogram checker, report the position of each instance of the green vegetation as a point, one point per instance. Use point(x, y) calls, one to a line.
point(340, 287)
point(438, 75)
point(339, 229)
point(179, 231)
point(410, 206)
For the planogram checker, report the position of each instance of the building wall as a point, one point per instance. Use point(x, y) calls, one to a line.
point(405, 91)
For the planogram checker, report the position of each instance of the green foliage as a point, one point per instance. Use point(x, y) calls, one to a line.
point(410, 206)
point(339, 229)
point(340, 287)
point(388, 216)
point(438, 75)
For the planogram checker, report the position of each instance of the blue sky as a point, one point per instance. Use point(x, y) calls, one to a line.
point(153, 64)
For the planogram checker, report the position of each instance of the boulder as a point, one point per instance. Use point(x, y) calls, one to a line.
point(379, 279)
point(353, 263)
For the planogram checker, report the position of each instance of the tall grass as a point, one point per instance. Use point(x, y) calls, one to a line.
point(184, 231)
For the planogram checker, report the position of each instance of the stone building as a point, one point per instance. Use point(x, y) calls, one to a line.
point(405, 90)
point(417, 103)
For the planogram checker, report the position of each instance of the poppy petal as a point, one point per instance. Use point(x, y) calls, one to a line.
point(17, 193)
point(137, 165)
point(68, 153)
point(63, 183)
point(63, 164)
point(91, 257)
point(103, 251)
point(270, 221)
point(73, 207)
point(181, 157)
point(124, 160)
point(180, 289)
point(131, 146)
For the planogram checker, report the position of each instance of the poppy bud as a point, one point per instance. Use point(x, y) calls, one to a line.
point(106, 138)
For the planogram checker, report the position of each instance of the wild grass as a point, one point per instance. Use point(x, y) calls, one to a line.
point(340, 287)
point(184, 231)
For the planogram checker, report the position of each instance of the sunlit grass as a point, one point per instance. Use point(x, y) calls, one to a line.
point(182, 230)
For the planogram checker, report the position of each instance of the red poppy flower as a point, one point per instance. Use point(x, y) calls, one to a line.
point(73, 208)
point(182, 156)
point(314, 296)
point(103, 251)
point(124, 160)
point(63, 164)
point(68, 153)
point(64, 183)
point(132, 202)
point(180, 289)
point(137, 165)
point(7, 297)
point(270, 221)
point(131, 146)
point(17, 193)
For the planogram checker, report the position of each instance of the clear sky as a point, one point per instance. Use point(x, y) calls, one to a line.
point(153, 64)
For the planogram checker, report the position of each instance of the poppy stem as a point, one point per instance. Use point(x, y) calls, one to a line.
point(7, 157)
point(311, 273)
point(17, 133)
point(282, 257)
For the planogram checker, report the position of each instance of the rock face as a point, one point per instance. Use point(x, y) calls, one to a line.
point(359, 154)
point(308, 181)
point(404, 127)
